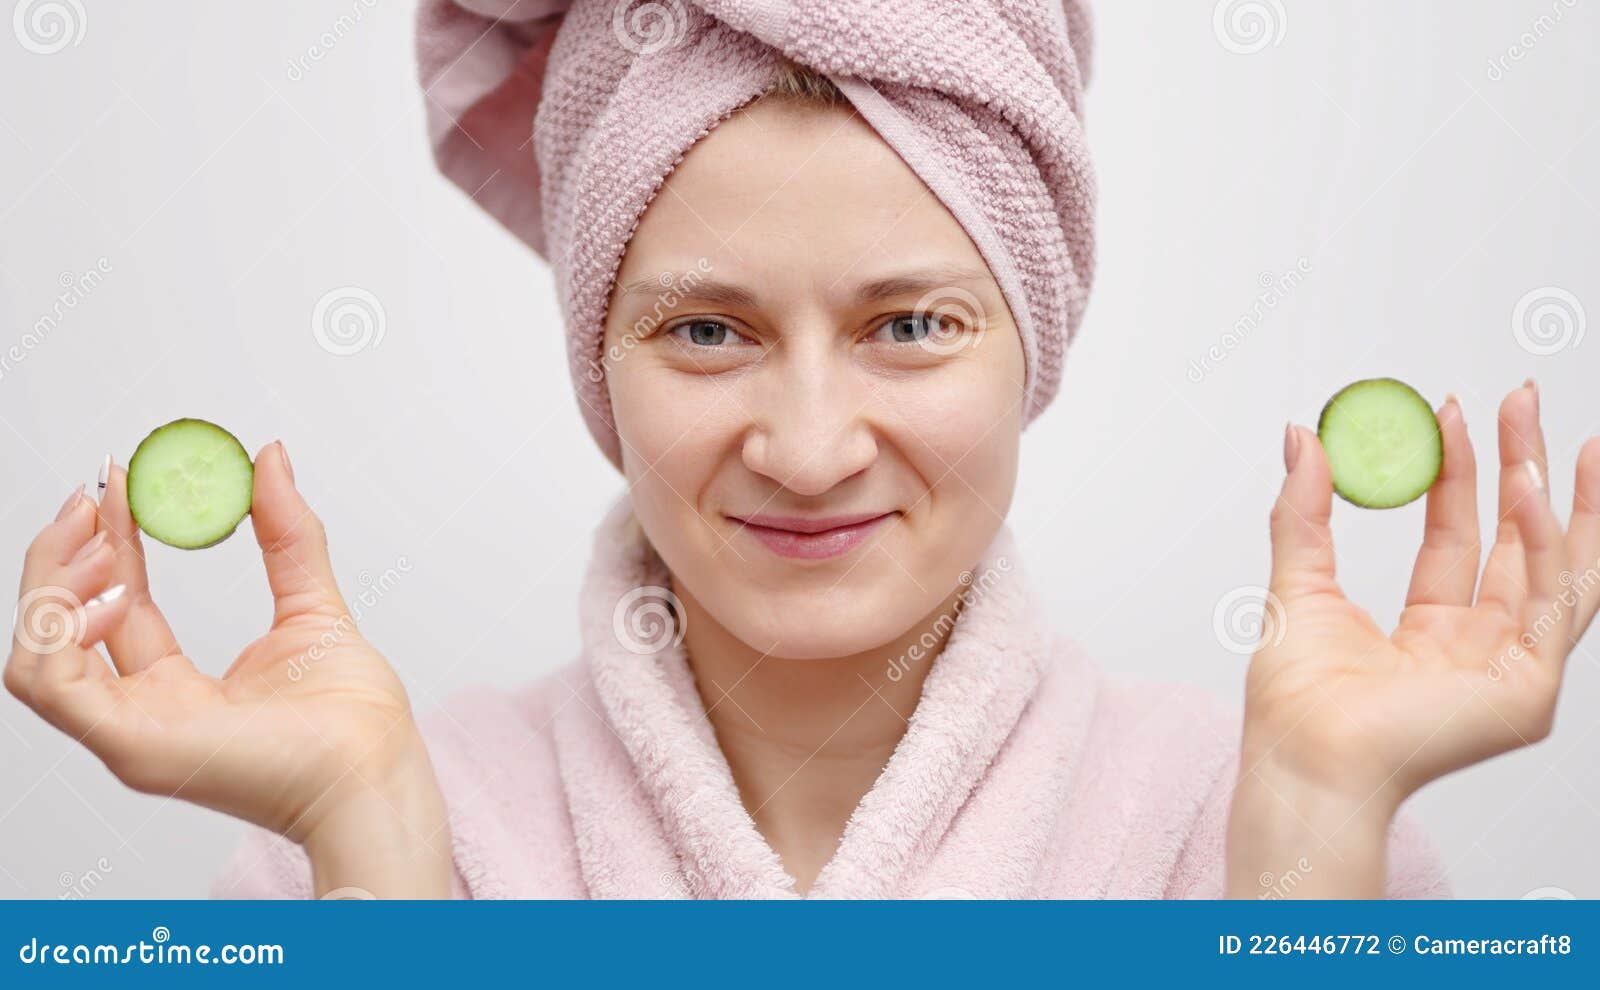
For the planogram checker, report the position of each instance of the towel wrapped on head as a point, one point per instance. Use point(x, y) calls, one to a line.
point(562, 118)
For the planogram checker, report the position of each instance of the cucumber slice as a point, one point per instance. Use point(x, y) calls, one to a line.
point(189, 484)
point(1382, 441)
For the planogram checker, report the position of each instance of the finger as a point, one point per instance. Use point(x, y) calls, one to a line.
point(1583, 536)
point(294, 545)
point(1528, 431)
point(83, 577)
point(102, 613)
point(1545, 618)
point(75, 691)
point(49, 612)
point(144, 636)
point(1302, 542)
point(60, 539)
point(54, 638)
point(1504, 575)
point(65, 608)
point(1447, 564)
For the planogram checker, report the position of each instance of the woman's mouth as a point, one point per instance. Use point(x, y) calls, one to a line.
point(811, 538)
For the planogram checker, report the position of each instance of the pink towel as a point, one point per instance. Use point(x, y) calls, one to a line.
point(563, 118)
point(1025, 772)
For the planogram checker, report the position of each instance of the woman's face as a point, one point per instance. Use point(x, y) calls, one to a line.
point(802, 336)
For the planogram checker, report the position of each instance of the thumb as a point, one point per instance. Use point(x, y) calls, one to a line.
point(1302, 541)
point(294, 545)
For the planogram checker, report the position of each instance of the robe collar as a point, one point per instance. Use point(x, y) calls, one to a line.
point(656, 812)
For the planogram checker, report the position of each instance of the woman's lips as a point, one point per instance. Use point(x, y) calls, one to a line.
point(814, 538)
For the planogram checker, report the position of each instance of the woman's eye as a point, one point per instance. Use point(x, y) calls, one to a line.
point(706, 333)
point(909, 328)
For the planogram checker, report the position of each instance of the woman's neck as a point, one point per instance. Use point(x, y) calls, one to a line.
point(806, 739)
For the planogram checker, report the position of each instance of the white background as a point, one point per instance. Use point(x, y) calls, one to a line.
point(229, 167)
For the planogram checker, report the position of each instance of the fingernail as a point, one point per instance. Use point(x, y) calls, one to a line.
point(105, 476)
point(1535, 474)
point(94, 544)
point(1291, 446)
point(283, 452)
point(1533, 387)
point(69, 504)
point(107, 596)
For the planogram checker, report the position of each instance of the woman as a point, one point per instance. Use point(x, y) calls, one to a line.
point(816, 285)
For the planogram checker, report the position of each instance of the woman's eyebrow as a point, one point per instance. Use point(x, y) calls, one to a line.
point(695, 285)
point(690, 285)
point(918, 282)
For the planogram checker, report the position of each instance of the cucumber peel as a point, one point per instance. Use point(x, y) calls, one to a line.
point(190, 484)
point(1382, 441)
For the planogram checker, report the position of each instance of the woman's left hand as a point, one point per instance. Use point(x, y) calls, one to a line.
point(1342, 720)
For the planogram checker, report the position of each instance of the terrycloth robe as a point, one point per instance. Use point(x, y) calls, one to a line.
point(1025, 772)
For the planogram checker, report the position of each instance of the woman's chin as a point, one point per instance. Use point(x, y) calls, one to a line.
point(813, 630)
point(807, 647)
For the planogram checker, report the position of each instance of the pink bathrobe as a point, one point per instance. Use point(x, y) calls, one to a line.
point(1025, 772)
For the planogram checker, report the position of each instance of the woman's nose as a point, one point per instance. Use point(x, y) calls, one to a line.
point(811, 426)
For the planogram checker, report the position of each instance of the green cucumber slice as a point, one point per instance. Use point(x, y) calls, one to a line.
point(189, 484)
point(1382, 441)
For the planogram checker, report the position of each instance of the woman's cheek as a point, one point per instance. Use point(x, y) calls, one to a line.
point(963, 419)
point(678, 431)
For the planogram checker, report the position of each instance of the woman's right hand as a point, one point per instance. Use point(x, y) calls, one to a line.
point(309, 733)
